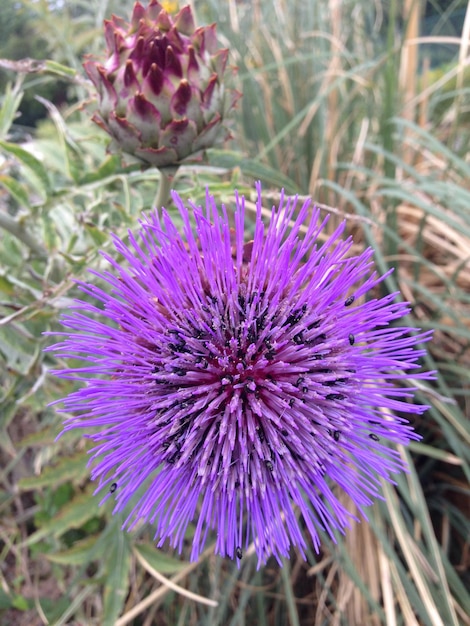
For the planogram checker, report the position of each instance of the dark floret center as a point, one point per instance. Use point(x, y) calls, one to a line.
point(244, 387)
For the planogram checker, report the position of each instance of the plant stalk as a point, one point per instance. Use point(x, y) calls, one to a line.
point(164, 187)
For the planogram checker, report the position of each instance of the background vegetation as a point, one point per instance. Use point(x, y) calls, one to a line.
point(366, 107)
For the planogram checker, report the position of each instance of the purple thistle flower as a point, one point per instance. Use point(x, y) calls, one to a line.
point(244, 384)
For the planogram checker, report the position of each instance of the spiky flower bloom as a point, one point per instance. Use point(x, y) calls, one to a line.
point(244, 384)
point(161, 91)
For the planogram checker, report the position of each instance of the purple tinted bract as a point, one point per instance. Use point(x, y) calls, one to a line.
point(249, 386)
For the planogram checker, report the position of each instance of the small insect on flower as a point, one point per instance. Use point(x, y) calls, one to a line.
point(219, 383)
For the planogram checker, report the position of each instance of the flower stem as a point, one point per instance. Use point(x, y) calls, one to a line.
point(163, 193)
point(14, 227)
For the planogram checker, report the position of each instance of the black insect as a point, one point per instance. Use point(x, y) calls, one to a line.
point(113, 488)
point(349, 301)
point(269, 465)
point(335, 396)
point(351, 339)
point(239, 552)
point(295, 316)
point(336, 435)
point(374, 437)
point(314, 324)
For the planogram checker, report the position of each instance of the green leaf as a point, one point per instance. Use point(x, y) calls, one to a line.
point(44, 437)
point(11, 102)
point(107, 168)
point(116, 585)
point(6, 285)
point(53, 608)
point(72, 468)
point(15, 189)
point(83, 552)
point(59, 69)
point(21, 603)
point(5, 600)
point(20, 353)
point(50, 231)
point(160, 561)
point(251, 167)
point(73, 515)
point(32, 163)
point(96, 234)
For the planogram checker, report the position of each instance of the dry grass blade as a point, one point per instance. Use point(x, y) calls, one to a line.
point(402, 597)
point(386, 585)
point(158, 594)
point(171, 584)
point(413, 557)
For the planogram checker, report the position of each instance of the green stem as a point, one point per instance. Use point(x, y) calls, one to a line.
point(290, 599)
point(164, 187)
point(19, 231)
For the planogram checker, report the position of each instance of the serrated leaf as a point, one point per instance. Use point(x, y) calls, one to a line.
point(160, 561)
point(71, 468)
point(83, 552)
point(15, 189)
point(73, 515)
point(32, 163)
point(116, 585)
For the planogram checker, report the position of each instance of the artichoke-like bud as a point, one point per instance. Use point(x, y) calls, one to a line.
point(161, 91)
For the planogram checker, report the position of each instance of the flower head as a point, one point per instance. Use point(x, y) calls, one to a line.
point(244, 384)
point(161, 91)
